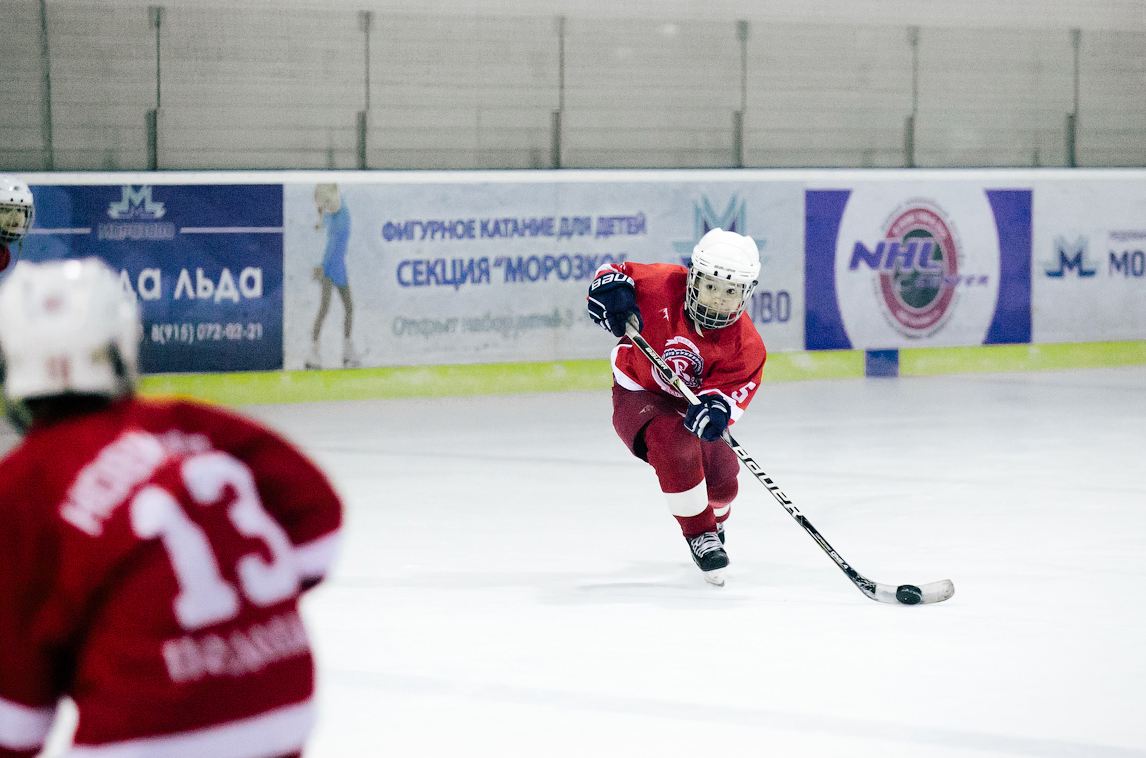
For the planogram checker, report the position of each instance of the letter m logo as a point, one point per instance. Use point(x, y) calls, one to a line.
point(136, 204)
point(1072, 256)
point(706, 218)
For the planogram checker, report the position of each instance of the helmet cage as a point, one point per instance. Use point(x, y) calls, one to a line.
point(17, 209)
point(722, 274)
point(714, 302)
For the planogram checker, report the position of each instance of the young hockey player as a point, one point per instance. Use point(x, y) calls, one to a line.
point(694, 317)
point(154, 552)
point(17, 210)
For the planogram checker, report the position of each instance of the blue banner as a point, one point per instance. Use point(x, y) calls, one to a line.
point(205, 261)
point(909, 264)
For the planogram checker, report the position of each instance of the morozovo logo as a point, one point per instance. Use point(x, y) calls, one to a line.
point(684, 357)
point(916, 268)
point(136, 204)
point(1073, 255)
point(136, 216)
point(705, 218)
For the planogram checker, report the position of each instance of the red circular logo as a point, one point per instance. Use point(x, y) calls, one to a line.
point(919, 284)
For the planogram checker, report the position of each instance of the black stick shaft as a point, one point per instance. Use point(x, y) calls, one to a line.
point(865, 585)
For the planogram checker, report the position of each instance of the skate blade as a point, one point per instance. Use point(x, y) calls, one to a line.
point(715, 577)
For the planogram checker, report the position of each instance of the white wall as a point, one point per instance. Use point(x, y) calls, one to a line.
point(21, 138)
point(475, 83)
point(1027, 14)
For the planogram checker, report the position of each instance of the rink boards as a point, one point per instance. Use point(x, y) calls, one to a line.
point(473, 282)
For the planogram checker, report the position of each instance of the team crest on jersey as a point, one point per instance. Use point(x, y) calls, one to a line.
point(684, 357)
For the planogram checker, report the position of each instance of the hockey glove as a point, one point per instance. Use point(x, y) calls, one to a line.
point(709, 418)
point(612, 301)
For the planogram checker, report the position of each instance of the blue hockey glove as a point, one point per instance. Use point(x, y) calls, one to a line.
point(709, 418)
point(612, 301)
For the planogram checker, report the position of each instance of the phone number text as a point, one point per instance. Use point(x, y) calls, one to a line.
point(187, 333)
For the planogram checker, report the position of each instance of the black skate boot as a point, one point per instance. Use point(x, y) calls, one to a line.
point(720, 531)
point(709, 556)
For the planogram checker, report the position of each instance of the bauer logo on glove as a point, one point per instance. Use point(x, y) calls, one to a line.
point(612, 302)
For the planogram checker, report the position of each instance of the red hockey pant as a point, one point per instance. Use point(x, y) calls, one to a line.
point(651, 425)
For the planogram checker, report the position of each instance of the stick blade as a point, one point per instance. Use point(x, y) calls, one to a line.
point(910, 594)
point(937, 592)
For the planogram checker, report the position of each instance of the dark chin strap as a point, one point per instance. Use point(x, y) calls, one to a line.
point(16, 413)
point(18, 416)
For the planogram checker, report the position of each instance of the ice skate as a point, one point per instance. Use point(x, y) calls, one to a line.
point(350, 357)
point(709, 556)
point(312, 358)
point(720, 531)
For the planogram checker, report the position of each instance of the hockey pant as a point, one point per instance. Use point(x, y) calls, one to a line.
point(697, 478)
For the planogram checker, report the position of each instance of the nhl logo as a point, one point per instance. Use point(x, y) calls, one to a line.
point(917, 269)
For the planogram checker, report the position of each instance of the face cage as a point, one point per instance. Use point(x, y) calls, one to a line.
point(708, 316)
point(15, 220)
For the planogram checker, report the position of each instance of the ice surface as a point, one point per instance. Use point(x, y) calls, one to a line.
point(512, 584)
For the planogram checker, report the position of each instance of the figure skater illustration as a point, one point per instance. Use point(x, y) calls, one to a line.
point(331, 274)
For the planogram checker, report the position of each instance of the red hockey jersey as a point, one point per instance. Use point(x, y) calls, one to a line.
point(152, 555)
point(728, 361)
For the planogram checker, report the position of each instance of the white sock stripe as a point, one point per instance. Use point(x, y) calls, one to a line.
point(722, 511)
point(691, 502)
point(23, 727)
point(276, 732)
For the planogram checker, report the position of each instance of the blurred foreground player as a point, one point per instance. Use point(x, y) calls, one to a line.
point(694, 317)
point(17, 210)
point(153, 553)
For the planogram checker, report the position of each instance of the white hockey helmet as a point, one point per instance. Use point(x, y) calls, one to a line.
point(67, 327)
point(724, 270)
point(17, 208)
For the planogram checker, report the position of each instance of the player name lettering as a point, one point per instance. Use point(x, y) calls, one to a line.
point(236, 653)
point(104, 484)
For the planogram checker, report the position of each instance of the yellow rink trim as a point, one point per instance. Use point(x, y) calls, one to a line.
point(258, 387)
point(998, 358)
point(254, 387)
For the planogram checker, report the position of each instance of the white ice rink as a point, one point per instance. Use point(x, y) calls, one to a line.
point(512, 584)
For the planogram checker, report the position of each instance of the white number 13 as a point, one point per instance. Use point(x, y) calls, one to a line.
point(205, 597)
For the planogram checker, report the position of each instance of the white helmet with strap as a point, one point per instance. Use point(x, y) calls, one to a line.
point(725, 268)
point(16, 209)
point(67, 327)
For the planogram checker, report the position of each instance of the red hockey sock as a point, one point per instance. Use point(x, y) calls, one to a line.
point(676, 457)
point(691, 526)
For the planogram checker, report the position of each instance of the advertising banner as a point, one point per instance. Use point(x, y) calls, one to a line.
point(204, 260)
point(484, 272)
point(902, 264)
point(1089, 263)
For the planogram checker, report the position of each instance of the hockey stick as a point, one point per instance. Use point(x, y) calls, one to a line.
point(907, 594)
